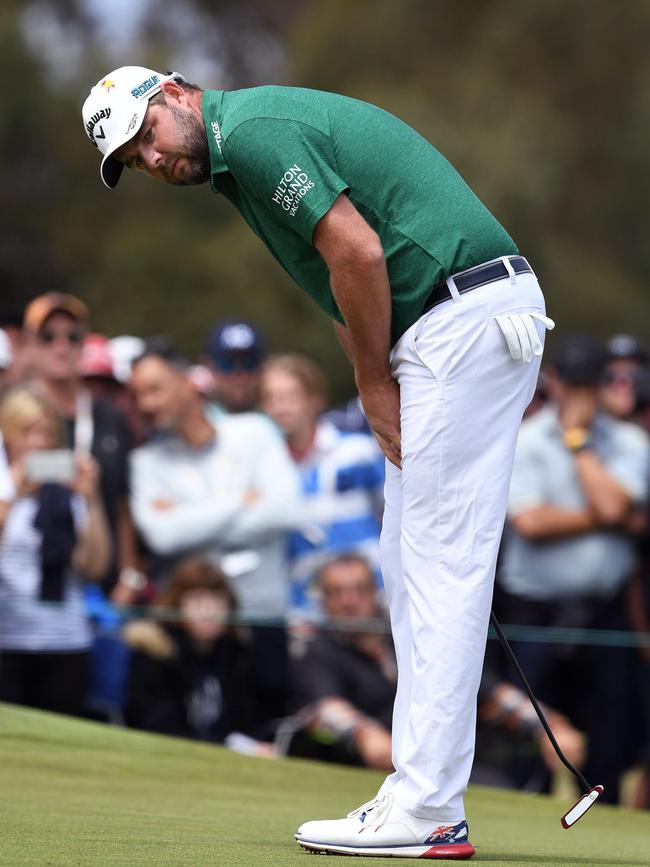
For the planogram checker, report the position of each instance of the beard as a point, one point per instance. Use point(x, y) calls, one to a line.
point(194, 150)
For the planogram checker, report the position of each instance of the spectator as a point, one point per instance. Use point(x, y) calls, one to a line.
point(51, 536)
point(223, 486)
point(96, 367)
point(123, 351)
point(344, 684)
point(189, 673)
point(342, 473)
point(105, 367)
point(625, 356)
point(57, 325)
point(578, 475)
point(234, 352)
point(639, 605)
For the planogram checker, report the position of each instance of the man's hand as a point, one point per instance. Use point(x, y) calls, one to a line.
point(580, 408)
point(22, 485)
point(571, 742)
point(86, 481)
point(374, 745)
point(381, 404)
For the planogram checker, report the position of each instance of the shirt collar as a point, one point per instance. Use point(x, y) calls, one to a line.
point(212, 108)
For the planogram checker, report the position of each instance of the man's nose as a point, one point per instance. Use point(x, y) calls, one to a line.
point(151, 159)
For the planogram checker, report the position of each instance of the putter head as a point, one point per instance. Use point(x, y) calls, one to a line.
point(581, 806)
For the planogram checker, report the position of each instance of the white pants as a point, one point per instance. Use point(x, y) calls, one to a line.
point(462, 399)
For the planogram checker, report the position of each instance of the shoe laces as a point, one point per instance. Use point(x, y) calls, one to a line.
point(373, 810)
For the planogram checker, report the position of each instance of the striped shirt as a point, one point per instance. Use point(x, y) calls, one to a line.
point(342, 482)
point(26, 623)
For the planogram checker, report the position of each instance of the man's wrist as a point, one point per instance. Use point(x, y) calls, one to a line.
point(375, 378)
point(576, 438)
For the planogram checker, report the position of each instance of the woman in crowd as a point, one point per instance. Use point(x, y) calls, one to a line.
point(188, 672)
point(342, 475)
point(53, 535)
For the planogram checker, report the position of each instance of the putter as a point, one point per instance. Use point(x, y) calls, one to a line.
point(592, 793)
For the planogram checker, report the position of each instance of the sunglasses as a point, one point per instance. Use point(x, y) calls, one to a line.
point(72, 337)
point(228, 363)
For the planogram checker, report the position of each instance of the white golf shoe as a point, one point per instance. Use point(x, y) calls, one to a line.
point(382, 828)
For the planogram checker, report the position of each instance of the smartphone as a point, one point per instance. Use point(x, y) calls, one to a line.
point(50, 465)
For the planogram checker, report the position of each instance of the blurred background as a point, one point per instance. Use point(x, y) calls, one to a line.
point(541, 104)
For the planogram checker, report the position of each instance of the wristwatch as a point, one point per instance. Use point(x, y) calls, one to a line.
point(133, 578)
point(577, 438)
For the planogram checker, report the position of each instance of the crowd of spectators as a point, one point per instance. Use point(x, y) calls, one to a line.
point(191, 547)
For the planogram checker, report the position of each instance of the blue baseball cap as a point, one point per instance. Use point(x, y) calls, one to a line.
point(235, 339)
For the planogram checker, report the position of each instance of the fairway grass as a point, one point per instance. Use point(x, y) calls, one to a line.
point(78, 793)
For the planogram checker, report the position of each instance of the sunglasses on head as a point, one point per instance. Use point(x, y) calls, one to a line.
point(73, 337)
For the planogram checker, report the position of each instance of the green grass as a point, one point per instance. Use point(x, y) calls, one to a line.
point(77, 793)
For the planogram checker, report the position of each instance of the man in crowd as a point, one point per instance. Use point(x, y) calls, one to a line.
point(439, 316)
point(345, 681)
point(344, 685)
point(579, 474)
point(234, 352)
point(57, 324)
point(222, 486)
point(625, 357)
point(342, 474)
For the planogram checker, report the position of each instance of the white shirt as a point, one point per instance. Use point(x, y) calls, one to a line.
point(206, 488)
point(26, 623)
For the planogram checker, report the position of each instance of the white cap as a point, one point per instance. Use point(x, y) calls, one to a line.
point(6, 355)
point(124, 350)
point(114, 111)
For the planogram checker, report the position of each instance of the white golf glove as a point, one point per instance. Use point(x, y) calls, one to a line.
point(521, 334)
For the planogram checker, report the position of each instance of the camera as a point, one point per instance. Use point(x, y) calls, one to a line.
point(51, 465)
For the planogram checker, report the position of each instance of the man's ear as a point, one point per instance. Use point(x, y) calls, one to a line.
point(173, 93)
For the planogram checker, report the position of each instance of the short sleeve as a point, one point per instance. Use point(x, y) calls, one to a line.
point(288, 167)
point(630, 465)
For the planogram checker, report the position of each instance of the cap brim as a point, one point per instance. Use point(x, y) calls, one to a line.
point(111, 169)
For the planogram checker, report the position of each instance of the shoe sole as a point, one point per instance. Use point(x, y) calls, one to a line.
point(454, 851)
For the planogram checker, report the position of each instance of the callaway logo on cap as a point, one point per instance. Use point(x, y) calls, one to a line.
point(114, 111)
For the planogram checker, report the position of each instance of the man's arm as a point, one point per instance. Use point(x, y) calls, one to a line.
point(605, 494)
point(359, 279)
point(546, 522)
point(166, 527)
point(274, 504)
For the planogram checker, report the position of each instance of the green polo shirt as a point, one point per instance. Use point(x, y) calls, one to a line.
point(282, 155)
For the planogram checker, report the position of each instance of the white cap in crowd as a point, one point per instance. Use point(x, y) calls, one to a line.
point(114, 111)
point(124, 350)
point(6, 355)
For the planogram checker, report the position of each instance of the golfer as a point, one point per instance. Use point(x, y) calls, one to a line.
point(444, 324)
